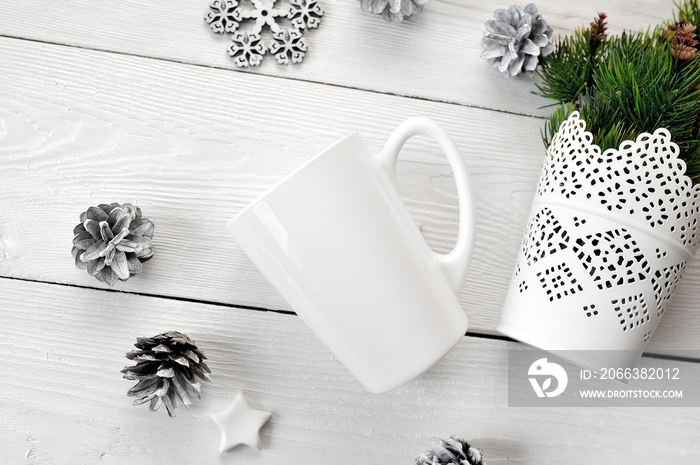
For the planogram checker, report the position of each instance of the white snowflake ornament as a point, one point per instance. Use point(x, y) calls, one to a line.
point(288, 46)
point(305, 14)
point(247, 49)
point(286, 43)
point(265, 14)
point(224, 16)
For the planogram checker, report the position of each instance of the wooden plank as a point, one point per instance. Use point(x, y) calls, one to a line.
point(81, 127)
point(95, 131)
point(64, 399)
point(435, 55)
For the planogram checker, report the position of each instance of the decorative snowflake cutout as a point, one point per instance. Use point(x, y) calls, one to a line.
point(224, 17)
point(305, 14)
point(288, 45)
point(265, 14)
point(248, 48)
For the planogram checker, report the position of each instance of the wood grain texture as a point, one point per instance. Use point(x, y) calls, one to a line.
point(64, 399)
point(80, 127)
point(135, 101)
point(434, 55)
point(191, 157)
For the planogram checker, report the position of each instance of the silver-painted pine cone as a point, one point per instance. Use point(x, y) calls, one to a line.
point(516, 40)
point(167, 368)
point(393, 11)
point(112, 241)
point(453, 451)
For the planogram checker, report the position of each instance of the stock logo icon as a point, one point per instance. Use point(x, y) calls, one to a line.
point(541, 373)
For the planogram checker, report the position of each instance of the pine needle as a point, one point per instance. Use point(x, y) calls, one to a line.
point(626, 85)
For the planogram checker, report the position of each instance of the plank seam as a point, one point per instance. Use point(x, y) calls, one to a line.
point(497, 337)
point(271, 76)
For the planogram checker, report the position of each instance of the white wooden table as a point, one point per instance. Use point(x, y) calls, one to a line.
point(134, 101)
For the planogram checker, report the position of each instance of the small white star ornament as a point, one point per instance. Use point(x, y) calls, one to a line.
point(240, 424)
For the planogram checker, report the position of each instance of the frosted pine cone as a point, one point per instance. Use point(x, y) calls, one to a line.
point(112, 241)
point(453, 451)
point(516, 40)
point(167, 368)
point(393, 11)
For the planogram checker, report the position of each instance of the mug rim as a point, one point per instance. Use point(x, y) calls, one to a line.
point(293, 173)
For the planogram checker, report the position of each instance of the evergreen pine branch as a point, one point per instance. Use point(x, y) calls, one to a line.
point(638, 77)
point(564, 74)
point(688, 10)
point(628, 84)
point(649, 89)
point(552, 126)
point(604, 121)
point(567, 72)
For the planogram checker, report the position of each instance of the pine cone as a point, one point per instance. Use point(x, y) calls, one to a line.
point(453, 451)
point(167, 366)
point(681, 35)
point(516, 40)
point(393, 11)
point(112, 241)
point(596, 32)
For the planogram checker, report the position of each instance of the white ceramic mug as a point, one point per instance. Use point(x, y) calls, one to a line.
point(338, 243)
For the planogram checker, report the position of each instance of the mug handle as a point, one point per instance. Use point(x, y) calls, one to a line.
point(454, 264)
